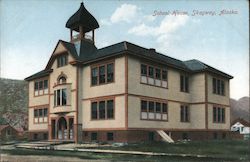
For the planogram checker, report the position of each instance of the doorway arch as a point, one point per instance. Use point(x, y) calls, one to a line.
point(62, 128)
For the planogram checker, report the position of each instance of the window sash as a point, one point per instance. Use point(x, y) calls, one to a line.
point(102, 111)
point(143, 106)
point(94, 114)
point(184, 113)
point(110, 136)
point(143, 70)
point(36, 113)
point(186, 84)
point(158, 107)
point(110, 109)
point(45, 112)
point(45, 84)
point(110, 72)
point(151, 106)
point(214, 85)
point(164, 75)
point(158, 73)
point(40, 112)
point(150, 71)
point(102, 78)
point(164, 108)
point(64, 96)
point(94, 76)
point(36, 86)
point(58, 96)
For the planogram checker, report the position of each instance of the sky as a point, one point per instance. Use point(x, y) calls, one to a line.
point(214, 32)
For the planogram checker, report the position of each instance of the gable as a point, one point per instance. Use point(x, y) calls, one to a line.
point(60, 49)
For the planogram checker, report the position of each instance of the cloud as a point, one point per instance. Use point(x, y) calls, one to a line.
point(168, 25)
point(126, 13)
point(105, 22)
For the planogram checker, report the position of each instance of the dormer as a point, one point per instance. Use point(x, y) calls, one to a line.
point(82, 25)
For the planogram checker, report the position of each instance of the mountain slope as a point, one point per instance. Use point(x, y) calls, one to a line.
point(14, 102)
point(240, 108)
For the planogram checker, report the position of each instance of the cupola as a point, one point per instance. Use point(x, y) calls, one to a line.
point(82, 25)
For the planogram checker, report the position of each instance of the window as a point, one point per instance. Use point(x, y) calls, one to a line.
point(45, 83)
point(184, 81)
point(62, 80)
point(184, 136)
point(36, 86)
point(218, 86)
point(157, 73)
point(151, 72)
point(94, 110)
point(110, 73)
point(151, 110)
point(35, 113)
point(151, 106)
point(60, 97)
point(93, 136)
point(35, 136)
point(41, 87)
point(184, 113)
point(218, 115)
point(110, 136)
point(102, 110)
point(154, 76)
point(164, 108)
point(110, 109)
point(62, 60)
point(64, 97)
point(8, 133)
point(45, 112)
point(143, 70)
point(158, 107)
point(144, 106)
point(94, 76)
point(40, 115)
point(40, 112)
point(164, 75)
point(102, 74)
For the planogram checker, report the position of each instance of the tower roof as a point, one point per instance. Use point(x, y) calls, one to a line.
point(84, 18)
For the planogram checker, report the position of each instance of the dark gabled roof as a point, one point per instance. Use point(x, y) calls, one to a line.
point(198, 66)
point(242, 121)
point(40, 74)
point(86, 52)
point(84, 18)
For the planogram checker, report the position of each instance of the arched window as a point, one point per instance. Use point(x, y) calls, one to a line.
point(62, 80)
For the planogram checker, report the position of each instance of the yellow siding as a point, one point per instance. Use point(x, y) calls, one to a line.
point(197, 116)
point(117, 122)
point(36, 126)
point(212, 125)
point(217, 98)
point(116, 87)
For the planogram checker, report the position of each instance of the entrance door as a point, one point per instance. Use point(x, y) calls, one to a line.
point(62, 129)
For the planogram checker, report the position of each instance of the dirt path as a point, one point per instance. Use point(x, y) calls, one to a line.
point(30, 158)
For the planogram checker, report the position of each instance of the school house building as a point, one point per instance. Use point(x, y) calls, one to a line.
point(124, 93)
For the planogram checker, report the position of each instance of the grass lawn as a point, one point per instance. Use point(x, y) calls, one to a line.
point(228, 149)
point(216, 150)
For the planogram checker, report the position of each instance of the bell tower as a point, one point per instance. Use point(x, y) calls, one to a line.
point(82, 25)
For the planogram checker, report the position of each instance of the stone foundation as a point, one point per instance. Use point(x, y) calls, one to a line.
point(144, 136)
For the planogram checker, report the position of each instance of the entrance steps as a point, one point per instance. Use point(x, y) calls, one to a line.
point(165, 137)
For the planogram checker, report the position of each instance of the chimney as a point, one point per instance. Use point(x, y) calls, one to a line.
point(151, 50)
